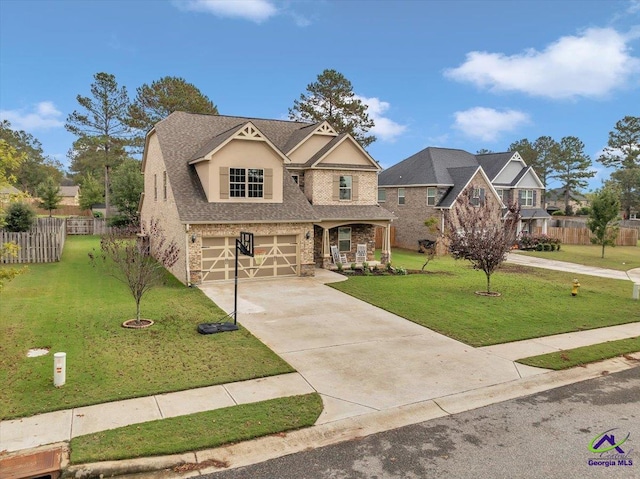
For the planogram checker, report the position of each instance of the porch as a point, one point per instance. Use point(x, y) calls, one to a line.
point(345, 237)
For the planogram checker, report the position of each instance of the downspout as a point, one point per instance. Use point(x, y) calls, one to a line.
point(186, 256)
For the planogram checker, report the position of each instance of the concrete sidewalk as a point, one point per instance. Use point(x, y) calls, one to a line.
point(63, 425)
point(516, 258)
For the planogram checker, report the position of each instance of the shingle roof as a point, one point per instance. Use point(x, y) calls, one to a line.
point(69, 190)
point(298, 136)
point(181, 136)
point(530, 213)
point(427, 167)
point(558, 193)
point(460, 176)
point(493, 163)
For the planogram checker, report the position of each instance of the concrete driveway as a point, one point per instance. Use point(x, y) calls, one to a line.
point(359, 357)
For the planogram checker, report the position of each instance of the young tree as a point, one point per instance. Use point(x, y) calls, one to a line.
point(623, 153)
point(101, 123)
point(49, 193)
point(91, 192)
point(572, 167)
point(127, 184)
point(603, 218)
point(157, 101)
point(331, 98)
point(480, 234)
point(139, 264)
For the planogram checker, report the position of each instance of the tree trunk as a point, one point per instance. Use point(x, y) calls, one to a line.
point(488, 283)
point(602, 249)
point(138, 310)
point(106, 191)
point(566, 201)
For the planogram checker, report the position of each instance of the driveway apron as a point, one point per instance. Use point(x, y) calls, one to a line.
point(359, 357)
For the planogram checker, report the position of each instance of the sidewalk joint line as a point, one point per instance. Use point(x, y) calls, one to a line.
point(229, 393)
point(155, 398)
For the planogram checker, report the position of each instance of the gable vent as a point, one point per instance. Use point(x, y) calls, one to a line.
point(325, 129)
point(250, 132)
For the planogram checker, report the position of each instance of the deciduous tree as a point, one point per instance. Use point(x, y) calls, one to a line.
point(157, 101)
point(603, 218)
point(100, 123)
point(91, 192)
point(139, 264)
point(331, 98)
point(480, 234)
point(49, 193)
point(572, 167)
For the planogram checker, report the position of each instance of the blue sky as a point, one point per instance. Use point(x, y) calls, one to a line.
point(457, 74)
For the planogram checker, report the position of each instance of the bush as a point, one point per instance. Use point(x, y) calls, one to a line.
point(546, 247)
point(539, 247)
point(353, 266)
point(19, 217)
point(98, 214)
point(558, 213)
point(584, 211)
point(553, 246)
point(401, 271)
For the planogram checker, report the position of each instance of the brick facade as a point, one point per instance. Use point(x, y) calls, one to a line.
point(360, 234)
point(318, 187)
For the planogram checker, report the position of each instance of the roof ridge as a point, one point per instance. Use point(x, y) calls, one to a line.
point(249, 118)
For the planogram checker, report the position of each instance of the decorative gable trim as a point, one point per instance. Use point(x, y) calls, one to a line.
point(346, 137)
point(324, 129)
point(248, 131)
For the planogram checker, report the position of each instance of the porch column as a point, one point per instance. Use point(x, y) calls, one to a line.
point(326, 252)
point(519, 229)
point(545, 223)
point(385, 256)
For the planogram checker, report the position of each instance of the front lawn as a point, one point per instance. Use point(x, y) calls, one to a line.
point(70, 306)
point(621, 258)
point(534, 302)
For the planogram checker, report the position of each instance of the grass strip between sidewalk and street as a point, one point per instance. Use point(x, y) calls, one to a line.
point(587, 354)
point(198, 431)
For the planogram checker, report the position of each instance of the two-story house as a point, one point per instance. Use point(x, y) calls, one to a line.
point(300, 188)
point(429, 183)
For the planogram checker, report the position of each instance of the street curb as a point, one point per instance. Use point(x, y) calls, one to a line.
point(278, 445)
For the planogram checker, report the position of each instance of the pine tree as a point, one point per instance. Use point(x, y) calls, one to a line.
point(49, 193)
point(331, 98)
point(572, 167)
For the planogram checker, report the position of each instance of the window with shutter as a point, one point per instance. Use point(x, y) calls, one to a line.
point(224, 182)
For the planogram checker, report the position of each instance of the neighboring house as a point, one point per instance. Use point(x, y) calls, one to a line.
point(70, 195)
point(556, 200)
point(430, 182)
point(7, 193)
point(300, 188)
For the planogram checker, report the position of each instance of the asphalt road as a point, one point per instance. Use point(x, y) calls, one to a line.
point(546, 435)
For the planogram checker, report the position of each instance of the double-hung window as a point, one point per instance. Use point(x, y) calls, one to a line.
point(401, 196)
point(431, 196)
point(246, 182)
point(346, 183)
point(526, 197)
point(477, 198)
point(344, 238)
point(382, 195)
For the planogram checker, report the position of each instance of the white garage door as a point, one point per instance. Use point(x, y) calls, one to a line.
point(280, 258)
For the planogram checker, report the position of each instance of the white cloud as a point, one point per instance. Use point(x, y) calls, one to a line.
point(385, 128)
point(253, 10)
point(45, 116)
point(488, 124)
point(590, 64)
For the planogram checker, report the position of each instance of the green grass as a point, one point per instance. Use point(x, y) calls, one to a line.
point(70, 306)
point(534, 302)
point(621, 258)
point(198, 431)
point(584, 355)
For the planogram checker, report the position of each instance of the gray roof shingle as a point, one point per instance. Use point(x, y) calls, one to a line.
point(493, 163)
point(460, 176)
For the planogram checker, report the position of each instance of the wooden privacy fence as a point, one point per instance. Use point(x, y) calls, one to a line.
point(87, 226)
point(380, 234)
point(582, 236)
point(43, 243)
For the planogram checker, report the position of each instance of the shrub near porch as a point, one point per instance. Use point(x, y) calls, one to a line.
point(534, 302)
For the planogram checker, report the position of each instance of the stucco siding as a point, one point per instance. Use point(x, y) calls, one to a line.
point(310, 147)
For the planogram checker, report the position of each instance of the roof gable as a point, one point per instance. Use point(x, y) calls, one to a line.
point(302, 135)
point(463, 177)
point(528, 178)
point(342, 142)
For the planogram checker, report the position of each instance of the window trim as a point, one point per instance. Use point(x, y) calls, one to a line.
point(343, 229)
point(478, 195)
point(347, 188)
point(527, 200)
point(403, 196)
point(245, 184)
point(296, 178)
point(432, 197)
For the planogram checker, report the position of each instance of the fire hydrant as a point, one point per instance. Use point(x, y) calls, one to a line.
point(574, 287)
